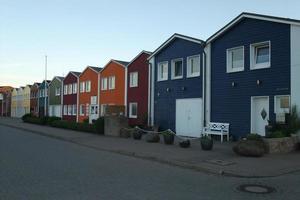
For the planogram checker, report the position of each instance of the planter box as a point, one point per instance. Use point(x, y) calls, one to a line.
point(281, 145)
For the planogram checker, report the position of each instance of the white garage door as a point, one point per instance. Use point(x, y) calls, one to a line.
point(189, 117)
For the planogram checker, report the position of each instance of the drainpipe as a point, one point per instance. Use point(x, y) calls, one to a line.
point(204, 84)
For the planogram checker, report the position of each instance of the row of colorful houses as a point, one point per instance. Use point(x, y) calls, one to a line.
point(246, 74)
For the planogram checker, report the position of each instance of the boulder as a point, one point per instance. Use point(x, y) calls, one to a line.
point(251, 148)
point(152, 137)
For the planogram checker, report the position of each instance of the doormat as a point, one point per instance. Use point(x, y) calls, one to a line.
point(220, 162)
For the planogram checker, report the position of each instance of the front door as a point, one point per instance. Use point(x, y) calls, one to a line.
point(260, 115)
point(189, 117)
point(93, 113)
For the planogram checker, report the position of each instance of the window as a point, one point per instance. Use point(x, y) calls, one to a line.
point(70, 89)
point(65, 109)
point(111, 82)
point(260, 55)
point(74, 109)
point(65, 89)
point(81, 109)
point(281, 107)
point(103, 83)
point(193, 66)
point(235, 59)
point(82, 87)
point(69, 109)
point(88, 86)
point(133, 79)
point(74, 88)
point(162, 72)
point(87, 109)
point(132, 110)
point(103, 109)
point(57, 91)
point(176, 68)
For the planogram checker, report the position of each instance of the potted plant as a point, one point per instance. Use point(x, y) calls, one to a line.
point(137, 134)
point(206, 142)
point(168, 137)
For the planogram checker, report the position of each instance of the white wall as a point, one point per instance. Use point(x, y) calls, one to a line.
point(295, 65)
point(208, 83)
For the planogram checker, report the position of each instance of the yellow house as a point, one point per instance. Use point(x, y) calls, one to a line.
point(26, 99)
point(14, 102)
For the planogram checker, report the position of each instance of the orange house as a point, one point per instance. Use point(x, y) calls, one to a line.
point(112, 85)
point(88, 94)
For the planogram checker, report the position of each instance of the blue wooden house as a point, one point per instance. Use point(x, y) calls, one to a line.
point(254, 67)
point(43, 98)
point(176, 89)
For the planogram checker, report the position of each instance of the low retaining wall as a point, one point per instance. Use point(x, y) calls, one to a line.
point(282, 145)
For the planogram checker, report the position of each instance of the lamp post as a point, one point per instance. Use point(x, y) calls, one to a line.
point(45, 87)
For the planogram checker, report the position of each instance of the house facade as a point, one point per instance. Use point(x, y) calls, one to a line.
point(70, 96)
point(43, 98)
point(137, 89)
point(89, 94)
point(26, 99)
point(5, 101)
point(176, 79)
point(112, 87)
point(34, 99)
point(55, 97)
point(17, 105)
point(254, 63)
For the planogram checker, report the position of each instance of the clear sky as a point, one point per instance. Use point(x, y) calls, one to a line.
point(78, 33)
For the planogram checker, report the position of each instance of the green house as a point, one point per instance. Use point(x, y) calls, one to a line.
point(55, 97)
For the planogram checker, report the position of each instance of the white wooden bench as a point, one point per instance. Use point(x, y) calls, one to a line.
point(215, 128)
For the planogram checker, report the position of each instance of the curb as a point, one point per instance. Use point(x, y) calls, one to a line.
point(151, 158)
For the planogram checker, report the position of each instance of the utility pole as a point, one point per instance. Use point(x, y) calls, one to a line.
point(45, 88)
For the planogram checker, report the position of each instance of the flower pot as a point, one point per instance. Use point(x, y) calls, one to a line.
point(185, 144)
point(137, 134)
point(169, 138)
point(206, 144)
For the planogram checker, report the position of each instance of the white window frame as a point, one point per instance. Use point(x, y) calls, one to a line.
point(111, 82)
point(253, 56)
point(132, 82)
point(70, 88)
point(159, 71)
point(188, 68)
point(74, 88)
point(65, 89)
point(65, 110)
point(103, 109)
point(74, 110)
point(229, 67)
point(70, 110)
point(275, 104)
point(81, 109)
point(104, 83)
point(87, 109)
point(82, 87)
point(173, 77)
point(130, 110)
point(57, 91)
point(87, 86)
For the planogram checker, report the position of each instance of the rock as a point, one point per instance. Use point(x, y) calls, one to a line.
point(251, 148)
point(152, 137)
point(125, 133)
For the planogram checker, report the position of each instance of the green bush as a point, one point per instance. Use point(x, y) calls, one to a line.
point(33, 120)
point(277, 134)
point(99, 125)
point(73, 126)
point(254, 136)
point(52, 119)
point(86, 121)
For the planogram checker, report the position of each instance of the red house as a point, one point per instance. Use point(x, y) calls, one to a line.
point(70, 96)
point(137, 89)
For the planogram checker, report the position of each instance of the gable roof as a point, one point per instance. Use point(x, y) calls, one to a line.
point(136, 57)
point(172, 38)
point(77, 74)
point(122, 63)
point(252, 16)
point(95, 69)
point(59, 78)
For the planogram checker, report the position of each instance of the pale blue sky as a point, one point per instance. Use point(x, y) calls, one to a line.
point(78, 33)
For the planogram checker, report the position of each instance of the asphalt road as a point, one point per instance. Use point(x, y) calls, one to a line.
point(38, 167)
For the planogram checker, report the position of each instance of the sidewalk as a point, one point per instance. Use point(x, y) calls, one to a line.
point(221, 160)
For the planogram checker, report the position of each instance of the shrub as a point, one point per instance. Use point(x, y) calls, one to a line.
point(73, 126)
point(254, 136)
point(86, 121)
point(52, 119)
point(277, 134)
point(33, 120)
point(99, 125)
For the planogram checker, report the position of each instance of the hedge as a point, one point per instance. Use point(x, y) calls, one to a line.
point(96, 127)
